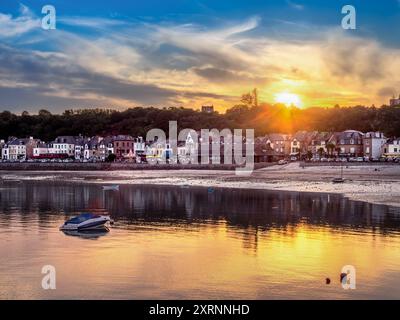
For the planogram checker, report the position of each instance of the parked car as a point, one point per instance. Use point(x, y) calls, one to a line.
point(282, 162)
point(360, 159)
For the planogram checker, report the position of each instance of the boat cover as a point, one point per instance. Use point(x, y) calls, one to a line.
point(82, 217)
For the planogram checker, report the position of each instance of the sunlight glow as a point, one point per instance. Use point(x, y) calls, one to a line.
point(288, 99)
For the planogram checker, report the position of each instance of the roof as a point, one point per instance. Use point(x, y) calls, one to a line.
point(107, 140)
point(65, 139)
point(347, 136)
point(304, 135)
point(123, 138)
point(322, 136)
point(17, 142)
point(377, 135)
point(42, 145)
point(93, 142)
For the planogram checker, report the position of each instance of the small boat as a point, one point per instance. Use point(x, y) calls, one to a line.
point(86, 221)
point(338, 180)
point(111, 188)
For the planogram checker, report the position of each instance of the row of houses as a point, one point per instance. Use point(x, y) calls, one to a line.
point(306, 145)
point(271, 147)
point(73, 147)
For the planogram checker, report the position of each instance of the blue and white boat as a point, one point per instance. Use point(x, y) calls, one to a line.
point(86, 221)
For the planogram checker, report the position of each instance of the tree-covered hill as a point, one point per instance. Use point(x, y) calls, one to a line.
point(137, 121)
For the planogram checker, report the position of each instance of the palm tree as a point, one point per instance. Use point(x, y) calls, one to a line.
point(330, 147)
point(320, 152)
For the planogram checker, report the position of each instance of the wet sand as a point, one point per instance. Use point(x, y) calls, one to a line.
point(375, 183)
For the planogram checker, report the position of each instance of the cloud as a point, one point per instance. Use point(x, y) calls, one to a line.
point(109, 62)
point(53, 76)
point(387, 92)
point(15, 26)
point(91, 22)
point(226, 76)
point(32, 79)
point(295, 5)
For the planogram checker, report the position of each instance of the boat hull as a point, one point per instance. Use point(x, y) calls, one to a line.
point(90, 224)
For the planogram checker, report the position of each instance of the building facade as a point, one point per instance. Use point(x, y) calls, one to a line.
point(373, 145)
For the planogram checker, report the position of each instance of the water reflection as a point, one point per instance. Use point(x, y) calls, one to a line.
point(87, 234)
point(184, 242)
point(254, 209)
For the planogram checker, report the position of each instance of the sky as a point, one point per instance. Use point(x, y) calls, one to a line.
point(172, 53)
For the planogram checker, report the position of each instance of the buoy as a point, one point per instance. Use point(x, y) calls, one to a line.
point(328, 281)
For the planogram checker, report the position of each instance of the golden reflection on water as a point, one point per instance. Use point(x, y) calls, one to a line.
point(196, 259)
point(208, 261)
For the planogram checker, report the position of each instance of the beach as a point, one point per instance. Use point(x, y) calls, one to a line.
point(377, 183)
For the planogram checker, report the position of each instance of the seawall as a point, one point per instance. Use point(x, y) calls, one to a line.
point(101, 166)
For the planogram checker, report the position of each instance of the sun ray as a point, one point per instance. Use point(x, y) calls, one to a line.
point(288, 99)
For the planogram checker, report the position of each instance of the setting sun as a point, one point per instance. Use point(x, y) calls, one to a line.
point(288, 99)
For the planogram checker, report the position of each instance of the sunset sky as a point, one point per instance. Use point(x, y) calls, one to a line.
point(188, 53)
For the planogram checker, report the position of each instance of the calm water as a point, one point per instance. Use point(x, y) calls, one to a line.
point(178, 242)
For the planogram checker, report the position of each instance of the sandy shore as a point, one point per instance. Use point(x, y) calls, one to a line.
point(376, 183)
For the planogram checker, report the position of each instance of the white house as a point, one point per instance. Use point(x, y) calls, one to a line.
point(159, 151)
point(93, 149)
point(5, 152)
point(188, 150)
point(79, 151)
point(139, 145)
point(14, 150)
point(392, 148)
point(373, 143)
point(65, 145)
point(43, 149)
point(106, 147)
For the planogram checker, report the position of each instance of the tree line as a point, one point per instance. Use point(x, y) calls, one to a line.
point(264, 118)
